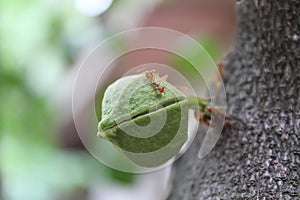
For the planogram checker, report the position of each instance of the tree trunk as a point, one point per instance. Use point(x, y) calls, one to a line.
point(262, 81)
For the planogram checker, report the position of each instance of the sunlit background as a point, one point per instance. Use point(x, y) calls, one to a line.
point(42, 43)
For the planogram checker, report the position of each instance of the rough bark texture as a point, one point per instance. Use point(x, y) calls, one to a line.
point(263, 89)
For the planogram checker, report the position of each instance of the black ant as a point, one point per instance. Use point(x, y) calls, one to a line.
point(155, 85)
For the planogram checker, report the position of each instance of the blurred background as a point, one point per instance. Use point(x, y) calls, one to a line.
point(42, 43)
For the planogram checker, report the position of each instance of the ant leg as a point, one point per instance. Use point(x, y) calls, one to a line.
point(149, 75)
point(154, 94)
point(164, 78)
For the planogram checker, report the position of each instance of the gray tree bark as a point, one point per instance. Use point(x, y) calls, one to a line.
point(262, 81)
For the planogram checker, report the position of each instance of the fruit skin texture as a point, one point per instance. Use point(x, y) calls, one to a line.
point(130, 102)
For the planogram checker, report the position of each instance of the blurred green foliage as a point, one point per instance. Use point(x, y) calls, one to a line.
point(39, 40)
point(212, 50)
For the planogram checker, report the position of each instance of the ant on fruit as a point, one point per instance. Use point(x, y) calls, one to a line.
point(150, 75)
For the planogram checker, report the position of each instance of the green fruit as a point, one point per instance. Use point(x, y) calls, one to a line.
point(138, 119)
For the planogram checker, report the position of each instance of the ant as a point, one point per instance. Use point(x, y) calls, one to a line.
point(155, 85)
point(210, 111)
